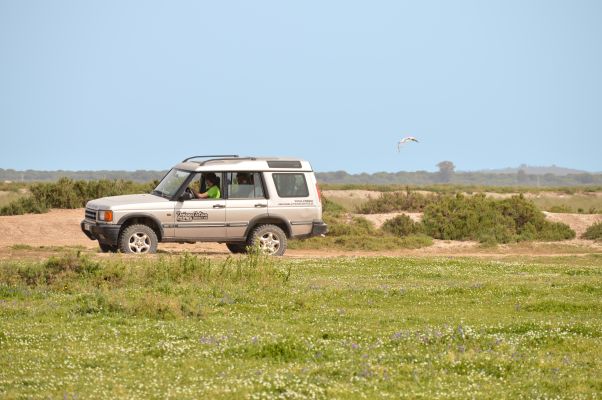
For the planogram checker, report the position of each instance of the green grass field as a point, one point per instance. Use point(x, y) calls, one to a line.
point(182, 327)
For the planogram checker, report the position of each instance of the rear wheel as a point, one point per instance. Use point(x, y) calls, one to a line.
point(138, 239)
point(237, 248)
point(270, 239)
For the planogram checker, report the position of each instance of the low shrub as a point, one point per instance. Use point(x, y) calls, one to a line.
point(347, 232)
point(402, 225)
point(396, 201)
point(555, 231)
point(530, 223)
point(67, 193)
point(593, 232)
point(467, 218)
point(24, 205)
point(345, 225)
point(491, 221)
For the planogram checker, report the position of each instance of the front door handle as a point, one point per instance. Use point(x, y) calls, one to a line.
point(261, 205)
point(219, 206)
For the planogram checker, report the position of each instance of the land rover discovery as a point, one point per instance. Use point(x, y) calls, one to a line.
point(260, 202)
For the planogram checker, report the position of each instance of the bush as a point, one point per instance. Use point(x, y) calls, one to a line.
point(490, 221)
point(396, 201)
point(402, 225)
point(467, 218)
point(530, 223)
point(67, 193)
point(555, 231)
point(593, 232)
point(343, 225)
point(24, 205)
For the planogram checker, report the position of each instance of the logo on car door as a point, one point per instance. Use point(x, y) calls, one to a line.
point(187, 216)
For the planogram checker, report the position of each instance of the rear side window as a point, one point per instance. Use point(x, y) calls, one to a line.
point(245, 185)
point(291, 185)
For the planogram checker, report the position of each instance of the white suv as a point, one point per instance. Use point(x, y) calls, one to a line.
point(262, 201)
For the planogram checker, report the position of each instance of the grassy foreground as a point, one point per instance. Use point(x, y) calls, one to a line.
point(183, 327)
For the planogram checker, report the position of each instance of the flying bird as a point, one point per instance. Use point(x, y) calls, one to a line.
point(405, 140)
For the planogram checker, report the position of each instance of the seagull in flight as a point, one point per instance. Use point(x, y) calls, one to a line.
point(406, 140)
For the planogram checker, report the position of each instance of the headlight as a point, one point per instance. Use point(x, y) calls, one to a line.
point(106, 216)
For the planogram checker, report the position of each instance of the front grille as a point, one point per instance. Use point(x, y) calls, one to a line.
point(91, 214)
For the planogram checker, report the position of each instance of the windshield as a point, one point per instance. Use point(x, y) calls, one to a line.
point(171, 183)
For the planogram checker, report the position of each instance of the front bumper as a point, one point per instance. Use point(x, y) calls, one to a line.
point(104, 233)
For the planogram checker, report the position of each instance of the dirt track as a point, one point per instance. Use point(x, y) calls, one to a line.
point(61, 228)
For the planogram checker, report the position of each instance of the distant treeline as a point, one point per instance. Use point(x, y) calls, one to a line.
point(340, 177)
point(140, 176)
point(460, 178)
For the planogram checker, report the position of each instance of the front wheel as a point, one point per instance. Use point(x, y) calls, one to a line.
point(138, 239)
point(270, 239)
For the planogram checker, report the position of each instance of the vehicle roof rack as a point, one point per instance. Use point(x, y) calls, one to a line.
point(220, 156)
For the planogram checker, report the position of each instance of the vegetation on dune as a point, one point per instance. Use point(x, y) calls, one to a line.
point(490, 221)
point(402, 225)
point(188, 327)
point(593, 232)
point(458, 217)
point(395, 198)
point(397, 201)
point(346, 232)
point(67, 193)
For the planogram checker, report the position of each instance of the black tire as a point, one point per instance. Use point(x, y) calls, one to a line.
point(138, 239)
point(108, 248)
point(270, 238)
point(237, 248)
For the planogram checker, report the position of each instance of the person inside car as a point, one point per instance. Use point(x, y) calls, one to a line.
point(212, 192)
point(244, 186)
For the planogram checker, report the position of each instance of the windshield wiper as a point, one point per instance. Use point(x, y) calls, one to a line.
point(159, 193)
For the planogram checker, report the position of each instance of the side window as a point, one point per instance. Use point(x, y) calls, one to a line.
point(291, 185)
point(245, 185)
point(200, 184)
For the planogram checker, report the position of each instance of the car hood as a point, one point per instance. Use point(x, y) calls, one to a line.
point(128, 202)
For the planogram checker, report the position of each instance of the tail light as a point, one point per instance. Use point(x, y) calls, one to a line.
point(319, 193)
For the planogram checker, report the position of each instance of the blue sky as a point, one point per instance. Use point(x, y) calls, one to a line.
point(143, 84)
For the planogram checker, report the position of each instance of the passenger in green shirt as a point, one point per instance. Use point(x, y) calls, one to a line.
point(213, 191)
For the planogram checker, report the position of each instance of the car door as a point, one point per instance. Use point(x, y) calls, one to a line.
point(200, 219)
point(246, 201)
point(292, 200)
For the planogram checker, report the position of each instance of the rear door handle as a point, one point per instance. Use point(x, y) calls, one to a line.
point(219, 206)
point(261, 205)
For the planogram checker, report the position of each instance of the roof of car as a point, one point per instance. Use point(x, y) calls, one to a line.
point(234, 162)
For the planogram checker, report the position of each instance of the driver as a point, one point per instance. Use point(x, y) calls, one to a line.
point(213, 191)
